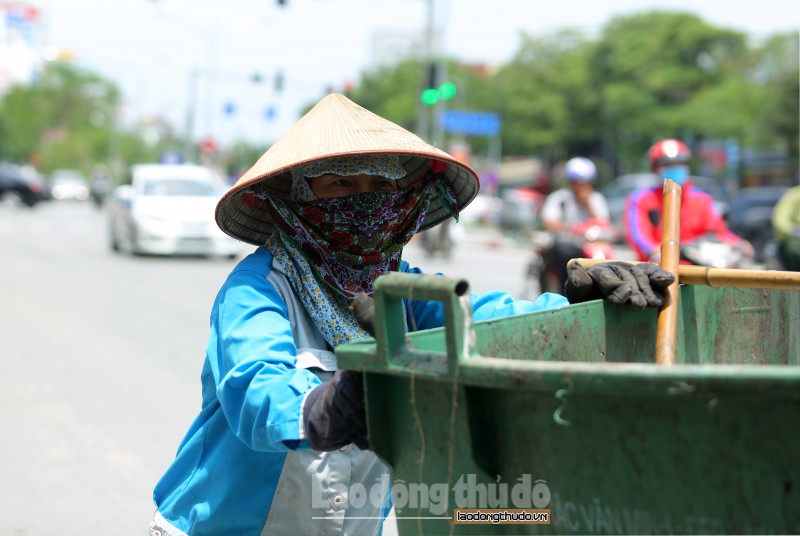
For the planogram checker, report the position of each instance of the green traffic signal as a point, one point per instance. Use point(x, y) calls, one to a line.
point(429, 96)
point(447, 90)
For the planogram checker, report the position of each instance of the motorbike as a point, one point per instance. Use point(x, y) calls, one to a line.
point(708, 250)
point(591, 239)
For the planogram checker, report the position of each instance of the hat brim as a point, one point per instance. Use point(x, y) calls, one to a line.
point(337, 127)
point(246, 218)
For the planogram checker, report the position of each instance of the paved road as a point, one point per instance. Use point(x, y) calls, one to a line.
point(101, 358)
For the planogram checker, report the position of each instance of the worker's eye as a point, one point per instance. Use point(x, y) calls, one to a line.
point(342, 183)
point(385, 185)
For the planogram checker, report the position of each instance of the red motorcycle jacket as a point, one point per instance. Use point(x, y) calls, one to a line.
point(642, 219)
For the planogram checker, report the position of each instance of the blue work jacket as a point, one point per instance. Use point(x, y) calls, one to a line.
point(244, 466)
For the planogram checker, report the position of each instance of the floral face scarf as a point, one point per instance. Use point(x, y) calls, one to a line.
point(352, 240)
point(344, 242)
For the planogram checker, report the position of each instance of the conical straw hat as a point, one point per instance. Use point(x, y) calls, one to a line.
point(336, 126)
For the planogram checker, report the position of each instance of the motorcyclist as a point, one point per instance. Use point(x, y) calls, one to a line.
point(786, 223)
point(669, 159)
point(568, 207)
point(100, 184)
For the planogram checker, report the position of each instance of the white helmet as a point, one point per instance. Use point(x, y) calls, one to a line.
point(580, 169)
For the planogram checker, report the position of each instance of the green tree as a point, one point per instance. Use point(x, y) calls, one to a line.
point(391, 92)
point(777, 71)
point(544, 97)
point(650, 67)
point(64, 119)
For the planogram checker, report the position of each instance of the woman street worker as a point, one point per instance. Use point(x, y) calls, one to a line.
point(281, 433)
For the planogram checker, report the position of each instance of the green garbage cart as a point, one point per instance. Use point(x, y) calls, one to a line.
point(560, 422)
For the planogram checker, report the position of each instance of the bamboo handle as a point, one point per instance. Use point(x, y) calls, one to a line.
point(723, 277)
point(667, 326)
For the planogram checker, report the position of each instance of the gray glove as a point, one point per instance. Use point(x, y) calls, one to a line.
point(635, 286)
point(334, 414)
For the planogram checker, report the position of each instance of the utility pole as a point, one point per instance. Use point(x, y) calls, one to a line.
point(434, 75)
point(428, 67)
point(191, 111)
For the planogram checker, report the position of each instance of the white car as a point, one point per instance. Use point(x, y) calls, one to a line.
point(168, 209)
point(68, 185)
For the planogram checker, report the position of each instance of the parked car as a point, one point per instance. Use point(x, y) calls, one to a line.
point(68, 185)
point(168, 209)
point(20, 186)
point(750, 215)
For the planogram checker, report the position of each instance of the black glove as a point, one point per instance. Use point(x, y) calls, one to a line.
point(334, 415)
point(635, 286)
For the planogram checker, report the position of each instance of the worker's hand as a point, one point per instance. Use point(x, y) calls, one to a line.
point(635, 286)
point(363, 307)
point(334, 415)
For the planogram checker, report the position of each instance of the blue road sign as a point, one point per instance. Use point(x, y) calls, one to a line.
point(470, 123)
point(170, 157)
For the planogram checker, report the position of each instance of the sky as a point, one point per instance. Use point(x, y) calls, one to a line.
point(173, 56)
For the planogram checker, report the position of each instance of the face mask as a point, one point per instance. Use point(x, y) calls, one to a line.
point(677, 174)
point(352, 240)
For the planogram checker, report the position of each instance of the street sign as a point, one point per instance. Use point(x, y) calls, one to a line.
point(170, 157)
point(208, 145)
point(732, 153)
point(470, 123)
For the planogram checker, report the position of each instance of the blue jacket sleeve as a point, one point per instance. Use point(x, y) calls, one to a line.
point(495, 304)
point(252, 356)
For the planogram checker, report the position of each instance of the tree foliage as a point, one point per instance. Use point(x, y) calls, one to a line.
point(775, 66)
point(541, 92)
point(68, 118)
point(63, 120)
point(651, 68)
point(378, 92)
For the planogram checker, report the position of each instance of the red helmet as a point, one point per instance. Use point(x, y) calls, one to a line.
point(669, 151)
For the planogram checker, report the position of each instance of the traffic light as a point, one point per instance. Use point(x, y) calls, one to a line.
point(430, 96)
point(435, 92)
point(432, 76)
point(447, 90)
